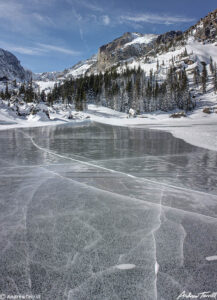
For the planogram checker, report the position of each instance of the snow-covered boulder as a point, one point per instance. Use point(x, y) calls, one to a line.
point(39, 112)
point(132, 113)
point(69, 115)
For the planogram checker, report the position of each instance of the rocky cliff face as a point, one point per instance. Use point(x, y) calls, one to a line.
point(136, 46)
point(10, 67)
point(167, 38)
point(125, 47)
point(131, 45)
point(206, 29)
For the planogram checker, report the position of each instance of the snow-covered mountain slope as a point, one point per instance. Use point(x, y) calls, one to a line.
point(130, 45)
point(205, 30)
point(10, 67)
point(142, 39)
point(197, 53)
point(80, 68)
point(148, 51)
point(47, 80)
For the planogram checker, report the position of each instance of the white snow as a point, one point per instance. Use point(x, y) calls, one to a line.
point(59, 114)
point(197, 51)
point(197, 128)
point(125, 266)
point(211, 258)
point(202, 51)
point(79, 71)
point(156, 267)
point(45, 84)
point(146, 39)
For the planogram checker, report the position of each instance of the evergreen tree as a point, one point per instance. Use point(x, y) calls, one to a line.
point(2, 95)
point(15, 83)
point(50, 98)
point(204, 78)
point(43, 96)
point(185, 53)
point(196, 76)
point(215, 78)
point(211, 66)
point(7, 93)
point(29, 95)
point(22, 89)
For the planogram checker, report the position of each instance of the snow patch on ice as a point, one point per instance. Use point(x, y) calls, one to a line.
point(125, 266)
point(156, 267)
point(211, 258)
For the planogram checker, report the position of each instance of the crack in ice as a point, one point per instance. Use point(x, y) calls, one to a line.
point(114, 171)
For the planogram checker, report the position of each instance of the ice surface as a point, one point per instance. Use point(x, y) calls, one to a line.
point(103, 212)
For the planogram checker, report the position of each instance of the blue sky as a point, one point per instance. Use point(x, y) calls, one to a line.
point(48, 35)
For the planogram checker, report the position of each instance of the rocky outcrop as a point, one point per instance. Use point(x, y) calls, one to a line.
point(10, 67)
point(206, 29)
point(132, 45)
point(136, 46)
point(128, 46)
point(167, 37)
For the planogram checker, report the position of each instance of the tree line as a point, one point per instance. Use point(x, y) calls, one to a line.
point(132, 88)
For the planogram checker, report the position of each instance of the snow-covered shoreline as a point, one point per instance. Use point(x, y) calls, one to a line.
point(198, 128)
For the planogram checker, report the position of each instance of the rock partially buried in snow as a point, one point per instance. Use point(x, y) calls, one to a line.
point(125, 266)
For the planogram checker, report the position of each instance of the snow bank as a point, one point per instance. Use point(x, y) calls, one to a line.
point(45, 85)
point(198, 128)
point(37, 115)
point(202, 51)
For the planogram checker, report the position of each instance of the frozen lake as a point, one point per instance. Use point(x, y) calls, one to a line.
point(97, 212)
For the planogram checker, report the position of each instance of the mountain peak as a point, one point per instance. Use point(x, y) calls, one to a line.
point(10, 67)
point(130, 44)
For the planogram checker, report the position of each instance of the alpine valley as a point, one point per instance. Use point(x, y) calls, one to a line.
point(108, 169)
point(135, 75)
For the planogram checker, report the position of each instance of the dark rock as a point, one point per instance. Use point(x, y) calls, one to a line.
point(10, 67)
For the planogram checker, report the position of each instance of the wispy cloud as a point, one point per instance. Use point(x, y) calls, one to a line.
point(106, 20)
point(58, 49)
point(155, 19)
point(39, 49)
point(22, 49)
point(43, 20)
point(90, 5)
point(22, 17)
